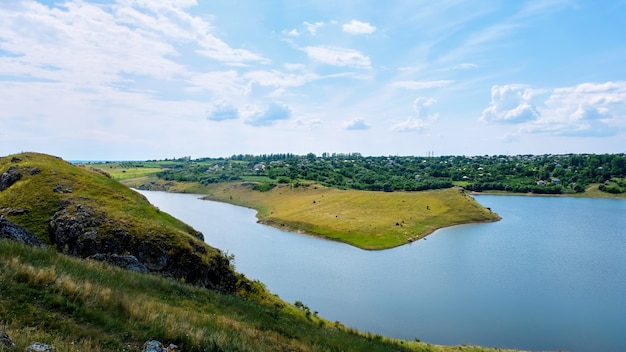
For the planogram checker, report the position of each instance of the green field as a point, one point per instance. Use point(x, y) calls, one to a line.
point(368, 220)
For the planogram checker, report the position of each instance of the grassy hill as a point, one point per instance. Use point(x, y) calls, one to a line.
point(84, 305)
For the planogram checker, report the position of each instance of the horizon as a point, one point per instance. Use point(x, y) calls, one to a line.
point(79, 161)
point(139, 79)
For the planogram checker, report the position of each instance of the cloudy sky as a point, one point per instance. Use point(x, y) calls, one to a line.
point(144, 79)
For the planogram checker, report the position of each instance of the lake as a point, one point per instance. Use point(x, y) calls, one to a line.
point(550, 275)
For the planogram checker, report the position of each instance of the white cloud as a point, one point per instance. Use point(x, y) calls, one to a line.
point(338, 56)
point(279, 78)
point(358, 27)
point(422, 118)
point(585, 110)
point(268, 116)
point(307, 124)
point(415, 85)
point(510, 104)
point(312, 28)
point(292, 33)
point(356, 124)
point(465, 66)
point(222, 110)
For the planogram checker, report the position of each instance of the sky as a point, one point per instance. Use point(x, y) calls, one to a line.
point(156, 79)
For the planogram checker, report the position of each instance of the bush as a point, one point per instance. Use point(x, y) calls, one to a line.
point(264, 186)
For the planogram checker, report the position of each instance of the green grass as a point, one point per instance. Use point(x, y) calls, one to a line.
point(79, 305)
point(369, 220)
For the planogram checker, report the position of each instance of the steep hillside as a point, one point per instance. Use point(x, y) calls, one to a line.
point(84, 213)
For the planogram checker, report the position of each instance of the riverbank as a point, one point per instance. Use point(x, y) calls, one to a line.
point(367, 220)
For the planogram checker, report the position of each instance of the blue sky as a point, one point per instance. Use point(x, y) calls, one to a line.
point(144, 79)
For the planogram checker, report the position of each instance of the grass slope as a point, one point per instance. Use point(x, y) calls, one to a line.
point(369, 220)
point(80, 305)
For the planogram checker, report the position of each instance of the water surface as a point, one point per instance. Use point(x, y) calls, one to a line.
point(550, 275)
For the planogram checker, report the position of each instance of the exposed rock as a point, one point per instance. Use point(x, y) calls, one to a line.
point(40, 347)
point(5, 341)
point(9, 177)
point(78, 229)
point(154, 257)
point(129, 262)
point(15, 232)
point(199, 235)
point(15, 159)
point(34, 171)
point(74, 229)
point(158, 346)
point(13, 211)
point(61, 188)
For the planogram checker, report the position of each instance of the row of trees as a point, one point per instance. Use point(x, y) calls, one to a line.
point(521, 173)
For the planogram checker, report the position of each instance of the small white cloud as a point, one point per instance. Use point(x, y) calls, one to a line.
point(358, 27)
point(415, 85)
point(356, 124)
point(510, 104)
point(292, 33)
point(338, 56)
point(313, 27)
point(269, 116)
point(307, 124)
point(222, 111)
point(411, 124)
point(421, 120)
point(465, 66)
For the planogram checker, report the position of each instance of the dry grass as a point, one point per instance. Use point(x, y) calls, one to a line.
point(369, 220)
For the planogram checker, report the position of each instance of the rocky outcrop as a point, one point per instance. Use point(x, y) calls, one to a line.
point(158, 346)
point(6, 342)
point(80, 230)
point(40, 347)
point(12, 231)
point(9, 177)
point(129, 262)
point(74, 229)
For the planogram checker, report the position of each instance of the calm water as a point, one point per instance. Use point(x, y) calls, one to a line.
point(551, 275)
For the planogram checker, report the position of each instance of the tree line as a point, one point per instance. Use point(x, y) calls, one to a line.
point(542, 174)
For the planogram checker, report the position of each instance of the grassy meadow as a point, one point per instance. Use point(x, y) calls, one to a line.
point(368, 220)
point(83, 305)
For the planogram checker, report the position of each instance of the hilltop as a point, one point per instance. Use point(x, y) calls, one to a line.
point(84, 213)
point(57, 288)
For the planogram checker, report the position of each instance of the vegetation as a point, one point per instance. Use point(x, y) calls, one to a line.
point(369, 220)
point(539, 174)
point(79, 305)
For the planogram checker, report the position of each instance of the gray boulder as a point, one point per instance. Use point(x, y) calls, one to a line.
point(15, 232)
point(9, 177)
point(6, 342)
point(40, 347)
point(158, 346)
